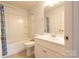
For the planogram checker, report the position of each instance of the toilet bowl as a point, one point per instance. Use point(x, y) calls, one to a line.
point(29, 48)
point(29, 44)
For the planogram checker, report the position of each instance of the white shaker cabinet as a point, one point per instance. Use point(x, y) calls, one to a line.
point(47, 49)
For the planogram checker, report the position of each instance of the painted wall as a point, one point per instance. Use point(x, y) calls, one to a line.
point(56, 19)
point(36, 20)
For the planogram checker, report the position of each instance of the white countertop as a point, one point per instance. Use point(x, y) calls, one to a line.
point(57, 39)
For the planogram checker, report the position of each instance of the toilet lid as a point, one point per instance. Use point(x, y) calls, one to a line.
point(29, 43)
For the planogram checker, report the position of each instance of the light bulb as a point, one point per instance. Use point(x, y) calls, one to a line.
point(21, 21)
point(51, 2)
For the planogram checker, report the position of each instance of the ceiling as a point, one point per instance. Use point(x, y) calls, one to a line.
point(23, 4)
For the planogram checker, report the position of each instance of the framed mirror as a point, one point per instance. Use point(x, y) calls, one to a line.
point(54, 18)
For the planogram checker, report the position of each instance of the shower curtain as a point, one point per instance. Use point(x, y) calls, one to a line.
point(3, 33)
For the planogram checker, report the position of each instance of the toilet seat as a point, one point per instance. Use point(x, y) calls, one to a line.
point(29, 44)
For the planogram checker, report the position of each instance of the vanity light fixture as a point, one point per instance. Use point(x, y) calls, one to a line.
point(51, 2)
point(21, 21)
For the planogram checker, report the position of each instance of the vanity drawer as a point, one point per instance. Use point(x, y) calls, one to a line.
point(41, 52)
point(52, 46)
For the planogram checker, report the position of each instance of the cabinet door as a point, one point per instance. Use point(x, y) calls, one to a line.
point(42, 52)
point(51, 45)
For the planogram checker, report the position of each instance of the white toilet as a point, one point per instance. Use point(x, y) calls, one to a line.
point(29, 48)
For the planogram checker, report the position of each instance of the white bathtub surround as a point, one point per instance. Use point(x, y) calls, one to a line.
point(16, 47)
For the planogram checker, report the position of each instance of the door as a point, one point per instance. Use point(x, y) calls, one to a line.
point(75, 40)
point(68, 27)
point(72, 28)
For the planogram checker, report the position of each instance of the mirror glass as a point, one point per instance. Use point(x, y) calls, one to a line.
point(54, 18)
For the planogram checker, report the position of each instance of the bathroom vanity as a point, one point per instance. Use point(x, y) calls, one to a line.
point(49, 47)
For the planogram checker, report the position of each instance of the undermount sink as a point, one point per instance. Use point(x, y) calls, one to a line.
point(58, 39)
